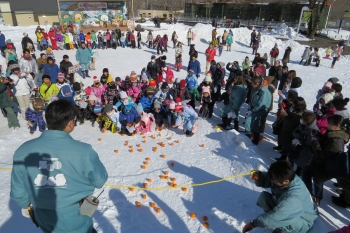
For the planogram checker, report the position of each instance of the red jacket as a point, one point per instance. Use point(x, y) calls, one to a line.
point(52, 35)
point(132, 36)
point(45, 36)
point(211, 52)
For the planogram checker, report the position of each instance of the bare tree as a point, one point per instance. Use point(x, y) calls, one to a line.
point(318, 9)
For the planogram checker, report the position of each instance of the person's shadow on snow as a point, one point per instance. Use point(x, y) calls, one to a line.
point(136, 219)
point(218, 201)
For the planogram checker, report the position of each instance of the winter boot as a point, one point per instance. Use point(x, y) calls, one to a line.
point(87, 73)
point(224, 122)
point(236, 125)
point(256, 138)
point(339, 201)
point(228, 125)
point(83, 72)
point(187, 132)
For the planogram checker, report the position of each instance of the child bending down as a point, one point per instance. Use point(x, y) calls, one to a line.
point(187, 116)
point(34, 115)
point(128, 118)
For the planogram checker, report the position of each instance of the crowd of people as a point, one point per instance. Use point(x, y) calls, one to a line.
point(148, 101)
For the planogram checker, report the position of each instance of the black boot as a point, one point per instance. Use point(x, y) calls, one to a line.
point(236, 125)
point(224, 122)
point(228, 125)
point(87, 73)
point(339, 201)
point(256, 138)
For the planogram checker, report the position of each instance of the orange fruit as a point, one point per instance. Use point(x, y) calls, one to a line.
point(131, 150)
point(206, 224)
point(172, 164)
point(172, 144)
point(138, 204)
point(131, 189)
point(144, 141)
point(192, 215)
point(205, 218)
point(144, 196)
point(146, 162)
point(166, 172)
point(142, 133)
point(143, 167)
point(166, 177)
point(158, 210)
point(171, 184)
point(160, 135)
point(162, 177)
point(130, 147)
point(174, 185)
point(169, 138)
point(173, 179)
point(116, 151)
point(100, 139)
point(133, 134)
point(123, 135)
point(138, 145)
point(184, 189)
point(163, 156)
point(153, 204)
point(145, 185)
point(178, 141)
point(149, 180)
point(202, 145)
point(140, 150)
point(148, 158)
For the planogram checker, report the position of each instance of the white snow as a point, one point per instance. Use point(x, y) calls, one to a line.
point(283, 31)
point(229, 205)
point(333, 34)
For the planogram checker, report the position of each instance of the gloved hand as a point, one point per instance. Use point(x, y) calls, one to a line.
point(254, 174)
point(248, 113)
point(250, 226)
point(25, 213)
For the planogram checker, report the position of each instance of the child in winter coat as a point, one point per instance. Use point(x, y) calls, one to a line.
point(128, 118)
point(163, 94)
point(80, 102)
point(123, 40)
point(182, 92)
point(159, 116)
point(48, 89)
point(171, 115)
point(145, 124)
point(169, 75)
point(106, 77)
point(320, 108)
point(147, 101)
point(144, 82)
point(114, 117)
point(205, 101)
point(192, 77)
point(97, 89)
point(124, 100)
point(111, 94)
point(220, 48)
point(34, 115)
point(328, 52)
point(134, 89)
point(67, 93)
point(102, 119)
point(89, 113)
point(331, 110)
point(193, 93)
point(187, 116)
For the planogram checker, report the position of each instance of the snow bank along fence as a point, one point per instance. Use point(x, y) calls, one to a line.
point(168, 187)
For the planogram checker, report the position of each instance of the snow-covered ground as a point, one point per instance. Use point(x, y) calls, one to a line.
point(334, 35)
point(229, 205)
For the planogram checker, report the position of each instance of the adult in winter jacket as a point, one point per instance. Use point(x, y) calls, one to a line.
point(153, 69)
point(65, 64)
point(210, 53)
point(305, 56)
point(274, 54)
point(229, 41)
point(195, 66)
point(224, 37)
point(2, 44)
point(192, 52)
point(336, 56)
point(23, 85)
point(83, 56)
point(27, 64)
point(150, 40)
point(288, 208)
point(174, 38)
point(76, 172)
point(286, 56)
point(52, 69)
point(276, 72)
point(218, 77)
point(233, 68)
point(252, 37)
point(52, 36)
point(189, 37)
point(93, 39)
point(260, 101)
point(8, 101)
point(318, 56)
point(25, 41)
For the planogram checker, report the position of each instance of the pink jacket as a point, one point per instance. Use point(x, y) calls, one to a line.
point(323, 122)
point(144, 86)
point(98, 92)
point(148, 122)
point(134, 92)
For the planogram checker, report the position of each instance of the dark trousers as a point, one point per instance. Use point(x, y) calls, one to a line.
point(263, 122)
point(309, 180)
point(108, 43)
point(94, 45)
point(133, 44)
point(2, 48)
point(34, 125)
point(188, 41)
point(139, 44)
point(159, 48)
point(211, 108)
point(150, 44)
point(114, 45)
point(81, 113)
point(335, 59)
point(119, 43)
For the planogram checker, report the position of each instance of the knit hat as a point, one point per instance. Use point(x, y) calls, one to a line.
point(152, 83)
point(49, 50)
point(76, 86)
point(191, 71)
point(118, 79)
point(105, 70)
point(207, 78)
point(25, 34)
point(38, 102)
point(166, 102)
point(221, 64)
point(44, 76)
point(66, 89)
point(139, 108)
point(205, 89)
point(123, 95)
point(327, 87)
point(92, 97)
point(190, 85)
point(179, 108)
point(108, 108)
point(327, 97)
point(9, 46)
point(171, 105)
point(144, 77)
point(127, 109)
point(149, 90)
point(156, 105)
point(29, 45)
point(60, 75)
point(164, 86)
point(95, 77)
point(133, 77)
point(97, 108)
point(340, 103)
point(15, 66)
point(182, 83)
point(8, 41)
point(77, 78)
point(296, 82)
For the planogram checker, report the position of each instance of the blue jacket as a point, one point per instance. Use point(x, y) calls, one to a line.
point(147, 102)
point(192, 78)
point(133, 117)
point(82, 37)
point(35, 116)
point(189, 114)
point(62, 95)
point(195, 66)
point(294, 211)
point(54, 178)
point(52, 71)
point(83, 56)
point(2, 40)
point(238, 96)
point(260, 100)
point(120, 103)
point(229, 39)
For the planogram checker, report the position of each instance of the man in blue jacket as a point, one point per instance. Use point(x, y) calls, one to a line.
point(54, 173)
point(52, 69)
point(2, 44)
point(83, 56)
point(288, 208)
point(194, 65)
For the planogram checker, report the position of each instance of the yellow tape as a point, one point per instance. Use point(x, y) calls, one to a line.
point(5, 168)
point(167, 187)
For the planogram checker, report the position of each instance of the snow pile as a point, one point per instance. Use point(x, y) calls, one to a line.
point(333, 34)
point(283, 31)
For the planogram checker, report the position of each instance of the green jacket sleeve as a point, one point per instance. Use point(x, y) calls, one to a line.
point(18, 193)
point(94, 170)
point(263, 102)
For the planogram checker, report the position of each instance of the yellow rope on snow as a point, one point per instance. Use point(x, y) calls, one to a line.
point(167, 187)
